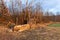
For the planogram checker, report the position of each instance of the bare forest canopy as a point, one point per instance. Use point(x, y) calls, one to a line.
point(20, 13)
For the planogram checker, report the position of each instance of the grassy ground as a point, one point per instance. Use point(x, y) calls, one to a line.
point(47, 33)
point(54, 25)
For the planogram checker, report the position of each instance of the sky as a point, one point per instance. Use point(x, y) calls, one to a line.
point(51, 5)
point(47, 5)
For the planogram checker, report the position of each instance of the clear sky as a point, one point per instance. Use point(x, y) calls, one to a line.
point(47, 5)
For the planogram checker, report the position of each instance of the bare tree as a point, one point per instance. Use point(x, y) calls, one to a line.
point(3, 8)
point(27, 12)
point(15, 4)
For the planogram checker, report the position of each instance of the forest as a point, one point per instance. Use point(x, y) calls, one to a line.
point(18, 14)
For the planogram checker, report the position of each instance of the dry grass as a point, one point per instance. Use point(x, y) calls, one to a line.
point(22, 27)
point(41, 33)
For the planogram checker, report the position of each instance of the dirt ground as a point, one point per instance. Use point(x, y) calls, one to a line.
point(42, 33)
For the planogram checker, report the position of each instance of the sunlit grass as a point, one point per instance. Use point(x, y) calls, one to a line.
point(55, 25)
